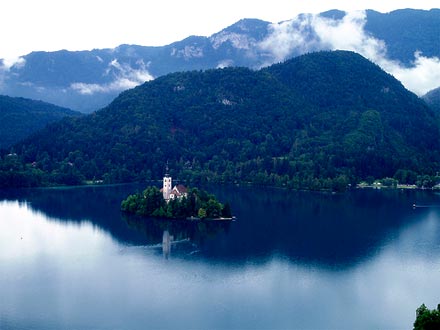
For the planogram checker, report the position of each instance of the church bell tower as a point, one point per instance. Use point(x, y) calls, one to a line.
point(166, 189)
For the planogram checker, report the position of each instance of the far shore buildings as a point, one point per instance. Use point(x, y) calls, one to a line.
point(169, 193)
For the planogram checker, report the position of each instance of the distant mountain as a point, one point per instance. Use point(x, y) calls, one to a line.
point(432, 98)
point(21, 117)
point(406, 32)
point(321, 120)
point(89, 80)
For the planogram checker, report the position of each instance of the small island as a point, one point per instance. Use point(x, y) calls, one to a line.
point(178, 202)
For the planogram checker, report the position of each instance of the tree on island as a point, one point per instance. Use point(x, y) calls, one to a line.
point(201, 213)
point(427, 319)
point(197, 203)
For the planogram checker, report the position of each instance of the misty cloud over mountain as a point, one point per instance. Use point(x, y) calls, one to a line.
point(308, 33)
point(125, 77)
point(402, 43)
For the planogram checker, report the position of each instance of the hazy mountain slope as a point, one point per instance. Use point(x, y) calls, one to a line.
point(310, 122)
point(432, 98)
point(89, 80)
point(21, 117)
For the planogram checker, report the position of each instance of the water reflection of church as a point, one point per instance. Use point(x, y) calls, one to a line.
point(166, 243)
point(179, 241)
point(183, 237)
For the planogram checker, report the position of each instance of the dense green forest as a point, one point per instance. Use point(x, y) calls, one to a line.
point(427, 319)
point(197, 203)
point(319, 121)
point(19, 117)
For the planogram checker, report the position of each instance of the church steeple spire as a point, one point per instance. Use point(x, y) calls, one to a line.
point(167, 170)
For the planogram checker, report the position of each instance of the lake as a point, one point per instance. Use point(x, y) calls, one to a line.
point(293, 260)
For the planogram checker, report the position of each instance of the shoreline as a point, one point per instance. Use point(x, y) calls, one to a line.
point(398, 187)
point(221, 219)
point(360, 185)
point(187, 219)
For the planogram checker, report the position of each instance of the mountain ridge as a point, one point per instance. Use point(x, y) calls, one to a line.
point(89, 80)
point(20, 117)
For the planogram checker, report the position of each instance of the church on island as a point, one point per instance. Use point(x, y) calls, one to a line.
point(169, 193)
point(200, 205)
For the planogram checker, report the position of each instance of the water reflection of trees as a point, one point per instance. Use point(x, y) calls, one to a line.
point(332, 230)
point(96, 204)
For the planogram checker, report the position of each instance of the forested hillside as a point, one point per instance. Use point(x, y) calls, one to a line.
point(319, 121)
point(20, 117)
point(432, 98)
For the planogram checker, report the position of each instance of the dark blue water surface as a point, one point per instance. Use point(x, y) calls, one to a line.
point(293, 260)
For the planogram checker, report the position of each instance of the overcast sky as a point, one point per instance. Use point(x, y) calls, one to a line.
point(28, 25)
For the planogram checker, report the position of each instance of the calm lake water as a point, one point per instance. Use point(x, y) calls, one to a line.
point(293, 260)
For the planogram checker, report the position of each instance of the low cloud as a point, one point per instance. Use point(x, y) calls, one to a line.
point(2, 75)
point(225, 64)
point(422, 77)
point(6, 64)
point(349, 34)
point(307, 33)
point(125, 77)
point(290, 38)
